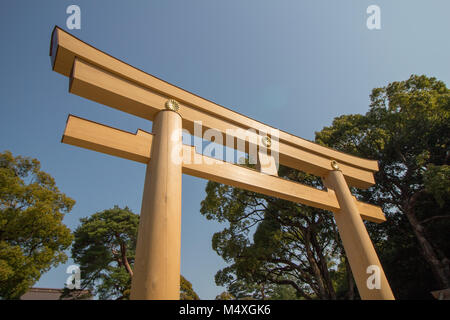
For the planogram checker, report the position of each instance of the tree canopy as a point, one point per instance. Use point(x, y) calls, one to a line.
point(187, 291)
point(269, 241)
point(32, 235)
point(104, 247)
point(407, 130)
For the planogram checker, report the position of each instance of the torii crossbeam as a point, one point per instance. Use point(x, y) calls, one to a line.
point(100, 77)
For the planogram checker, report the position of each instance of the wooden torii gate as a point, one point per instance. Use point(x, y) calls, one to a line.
point(100, 77)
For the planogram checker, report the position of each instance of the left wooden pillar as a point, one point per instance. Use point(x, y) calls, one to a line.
point(157, 263)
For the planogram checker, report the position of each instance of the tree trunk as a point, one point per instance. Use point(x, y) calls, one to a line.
point(324, 269)
point(123, 251)
point(323, 294)
point(350, 281)
point(438, 267)
point(263, 295)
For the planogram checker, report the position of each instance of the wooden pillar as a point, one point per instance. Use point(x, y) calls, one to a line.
point(157, 265)
point(357, 244)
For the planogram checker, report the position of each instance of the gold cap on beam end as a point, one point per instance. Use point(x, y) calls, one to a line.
point(172, 104)
point(335, 165)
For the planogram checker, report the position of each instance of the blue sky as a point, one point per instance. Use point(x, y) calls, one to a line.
point(294, 65)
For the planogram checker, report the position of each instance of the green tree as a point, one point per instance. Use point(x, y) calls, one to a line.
point(32, 235)
point(186, 290)
point(283, 292)
point(104, 247)
point(225, 296)
point(407, 130)
point(271, 242)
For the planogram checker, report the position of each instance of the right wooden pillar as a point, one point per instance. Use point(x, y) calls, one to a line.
point(366, 267)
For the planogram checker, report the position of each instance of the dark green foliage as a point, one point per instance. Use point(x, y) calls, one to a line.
point(32, 235)
point(408, 130)
point(186, 290)
point(104, 247)
point(270, 242)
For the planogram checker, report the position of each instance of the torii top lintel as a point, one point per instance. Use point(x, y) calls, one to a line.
point(100, 77)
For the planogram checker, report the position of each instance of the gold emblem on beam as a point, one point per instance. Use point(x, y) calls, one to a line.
point(266, 141)
point(335, 165)
point(172, 104)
